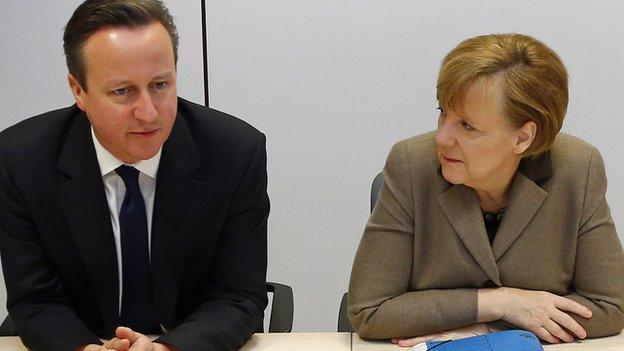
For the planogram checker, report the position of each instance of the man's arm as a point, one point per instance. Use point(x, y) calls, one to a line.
point(37, 300)
point(235, 297)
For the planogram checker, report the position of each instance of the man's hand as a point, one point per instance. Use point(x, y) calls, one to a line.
point(138, 341)
point(540, 312)
point(459, 333)
point(128, 340)
point(114, 344)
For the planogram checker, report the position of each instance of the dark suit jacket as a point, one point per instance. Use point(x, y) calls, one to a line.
point(208, 249)
point(425, 250)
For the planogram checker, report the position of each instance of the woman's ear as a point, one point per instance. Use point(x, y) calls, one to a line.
point(525, 136)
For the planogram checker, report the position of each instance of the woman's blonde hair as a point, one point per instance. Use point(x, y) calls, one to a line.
point(535, 82)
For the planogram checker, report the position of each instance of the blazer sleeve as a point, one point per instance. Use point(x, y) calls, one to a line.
point(36, 298)
point(599, 265)
point(235, 297)
point(380, 303)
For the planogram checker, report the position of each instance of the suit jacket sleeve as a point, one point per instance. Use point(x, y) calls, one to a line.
point(37, 300)
point(599, 265)
point(235, 296)
point(380, 305)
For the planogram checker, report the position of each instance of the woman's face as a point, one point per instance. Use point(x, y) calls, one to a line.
point(477, 146)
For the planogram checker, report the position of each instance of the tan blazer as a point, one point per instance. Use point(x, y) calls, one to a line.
point(425, 251)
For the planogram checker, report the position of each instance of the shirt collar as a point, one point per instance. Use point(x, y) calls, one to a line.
point(109, 163)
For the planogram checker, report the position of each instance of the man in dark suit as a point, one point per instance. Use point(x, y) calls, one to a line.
point(132, 212)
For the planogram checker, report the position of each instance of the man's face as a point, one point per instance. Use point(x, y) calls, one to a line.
point(132, 95)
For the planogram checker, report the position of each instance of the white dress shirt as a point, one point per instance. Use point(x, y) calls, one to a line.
point(116, 191)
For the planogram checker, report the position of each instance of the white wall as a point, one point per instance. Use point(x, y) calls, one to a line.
point(334, 84)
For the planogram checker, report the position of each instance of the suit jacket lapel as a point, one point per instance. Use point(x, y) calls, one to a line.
point(176, 194)
point(526, 198)
point(461, 206)
point(83, 200)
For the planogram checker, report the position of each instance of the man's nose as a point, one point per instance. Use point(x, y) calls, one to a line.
point(144, 108)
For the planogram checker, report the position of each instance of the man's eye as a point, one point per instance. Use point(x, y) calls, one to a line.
point(120, 91)
point(159, 85)
point(467, 126)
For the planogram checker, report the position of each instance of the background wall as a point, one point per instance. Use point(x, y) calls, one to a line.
point(333, 84)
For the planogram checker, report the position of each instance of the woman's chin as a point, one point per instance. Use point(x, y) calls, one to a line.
point(453, 177)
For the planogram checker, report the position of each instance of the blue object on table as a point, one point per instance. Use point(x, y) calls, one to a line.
point(509, 340)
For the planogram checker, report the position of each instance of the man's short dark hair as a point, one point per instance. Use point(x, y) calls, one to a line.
point(93, 15)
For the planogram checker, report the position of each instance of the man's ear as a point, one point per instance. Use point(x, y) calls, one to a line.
point(77, 91)
point(525, 137)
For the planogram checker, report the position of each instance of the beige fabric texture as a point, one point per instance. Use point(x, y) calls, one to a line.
point(425, 251)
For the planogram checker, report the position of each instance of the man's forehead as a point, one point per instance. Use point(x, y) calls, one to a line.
point(122, 80)
point(115, 56)
point(114, 34)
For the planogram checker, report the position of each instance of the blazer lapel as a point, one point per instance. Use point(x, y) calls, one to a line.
point(526, 198)
point(176, 195)
point(84, 203)
point(461, 206)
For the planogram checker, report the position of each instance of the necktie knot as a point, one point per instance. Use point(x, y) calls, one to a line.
point(130, 177)
point(128, 174)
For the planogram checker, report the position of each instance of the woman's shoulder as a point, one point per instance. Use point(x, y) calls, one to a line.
point(417, 147)
point(576, 162)
point(571, 151)
point(415, 156)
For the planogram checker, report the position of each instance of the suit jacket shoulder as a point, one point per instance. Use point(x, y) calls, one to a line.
point(37, 141)
point(207, 124)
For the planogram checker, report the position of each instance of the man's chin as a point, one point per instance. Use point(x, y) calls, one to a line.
point(142, 155)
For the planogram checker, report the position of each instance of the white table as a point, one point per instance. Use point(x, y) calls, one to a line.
point(352, 342)
point(299, 342)
point(258, 342)
point(11, 343)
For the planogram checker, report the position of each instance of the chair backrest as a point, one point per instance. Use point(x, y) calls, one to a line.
point(375, 187)
point(281, 321)
point(282, 308)
point(8, 327)
point(343, 322)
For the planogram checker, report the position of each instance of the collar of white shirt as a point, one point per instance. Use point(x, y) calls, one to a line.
point(109, 163)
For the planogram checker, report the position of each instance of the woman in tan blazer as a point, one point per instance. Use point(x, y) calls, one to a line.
point(494, 219)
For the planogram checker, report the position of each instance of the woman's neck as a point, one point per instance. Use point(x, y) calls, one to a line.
point(494, 195)
point(492, 202)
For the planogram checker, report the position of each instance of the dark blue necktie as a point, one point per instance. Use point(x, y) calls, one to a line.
point(136, 298)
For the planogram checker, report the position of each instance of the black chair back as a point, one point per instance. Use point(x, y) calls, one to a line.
point(282, 308)
point(343, 321)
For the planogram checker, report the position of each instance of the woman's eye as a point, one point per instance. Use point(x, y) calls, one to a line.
point(467, 126)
